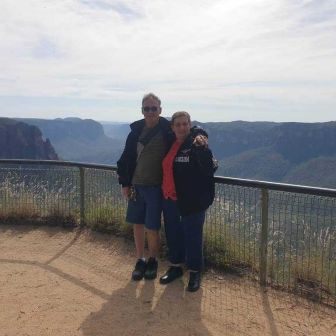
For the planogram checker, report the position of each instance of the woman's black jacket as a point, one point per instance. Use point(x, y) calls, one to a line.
point(194, 178)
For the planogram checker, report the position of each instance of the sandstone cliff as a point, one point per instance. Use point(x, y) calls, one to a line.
point(19, 140)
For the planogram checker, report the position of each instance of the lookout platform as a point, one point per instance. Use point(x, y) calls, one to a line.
point(55, 281)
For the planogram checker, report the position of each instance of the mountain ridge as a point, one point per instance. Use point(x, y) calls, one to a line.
point(291, 152)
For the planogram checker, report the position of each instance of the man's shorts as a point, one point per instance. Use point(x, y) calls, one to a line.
point(146, 207)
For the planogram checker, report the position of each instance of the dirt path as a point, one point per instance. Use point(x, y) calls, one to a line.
point(59, 282)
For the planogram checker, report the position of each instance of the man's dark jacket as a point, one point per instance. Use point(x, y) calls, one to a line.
point(127, 162)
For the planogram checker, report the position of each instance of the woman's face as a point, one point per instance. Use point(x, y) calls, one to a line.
point(181, 127)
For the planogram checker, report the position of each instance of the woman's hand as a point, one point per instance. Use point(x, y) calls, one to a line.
point(201, 141)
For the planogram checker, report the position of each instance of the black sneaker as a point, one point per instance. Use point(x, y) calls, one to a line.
point(139, 270)
point(172, 273)
point(151, 270)
point(194, 281)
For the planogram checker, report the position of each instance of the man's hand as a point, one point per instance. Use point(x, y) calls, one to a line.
point(126, 191)
point(201, 141)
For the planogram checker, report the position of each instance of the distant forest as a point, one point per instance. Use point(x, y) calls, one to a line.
point(298, 153)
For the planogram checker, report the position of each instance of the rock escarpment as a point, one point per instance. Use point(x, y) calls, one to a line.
point(19, 140)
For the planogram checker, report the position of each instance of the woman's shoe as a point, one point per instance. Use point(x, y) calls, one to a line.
point(194, 281)
point(172, 273)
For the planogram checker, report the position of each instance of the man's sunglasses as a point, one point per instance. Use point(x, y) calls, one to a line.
point(150, 108)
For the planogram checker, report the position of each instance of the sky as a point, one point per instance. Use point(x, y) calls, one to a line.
point(220, 60)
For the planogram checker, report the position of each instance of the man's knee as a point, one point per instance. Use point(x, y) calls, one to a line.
point(138, 230)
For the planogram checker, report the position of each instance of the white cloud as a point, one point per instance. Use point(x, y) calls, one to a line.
point(247, 55)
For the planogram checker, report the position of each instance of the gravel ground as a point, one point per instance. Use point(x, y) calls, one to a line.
point(60, 282)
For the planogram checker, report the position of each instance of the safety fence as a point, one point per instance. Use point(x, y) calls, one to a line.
point(278, 234)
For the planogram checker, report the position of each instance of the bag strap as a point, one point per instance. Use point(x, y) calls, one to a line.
point(150, 135)
point(147, 138)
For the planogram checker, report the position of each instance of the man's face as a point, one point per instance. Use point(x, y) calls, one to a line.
point(151, 110)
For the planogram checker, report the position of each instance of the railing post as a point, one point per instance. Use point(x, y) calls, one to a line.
point(82, 195)
point(263, 237)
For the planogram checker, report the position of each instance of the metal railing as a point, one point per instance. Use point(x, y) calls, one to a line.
point(283, 235)
point(279, 234)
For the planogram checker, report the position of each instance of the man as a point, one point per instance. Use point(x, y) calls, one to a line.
point(140, 174)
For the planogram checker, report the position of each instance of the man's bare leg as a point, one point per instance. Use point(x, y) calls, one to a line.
point(153, 238)
point(139, 240)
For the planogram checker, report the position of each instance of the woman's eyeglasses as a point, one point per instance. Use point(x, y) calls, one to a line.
point(150, 109)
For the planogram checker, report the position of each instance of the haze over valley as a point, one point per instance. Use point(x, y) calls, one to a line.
point(297, 153)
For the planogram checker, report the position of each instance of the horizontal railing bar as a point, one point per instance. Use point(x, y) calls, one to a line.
point(293, 188)
point(58, 163)
point(218, 179)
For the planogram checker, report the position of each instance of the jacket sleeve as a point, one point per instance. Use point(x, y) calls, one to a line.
point(123, 164)
point(204, 159)
point(196, 130)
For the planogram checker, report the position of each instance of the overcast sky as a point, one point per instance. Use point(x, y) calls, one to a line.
point(221, 60)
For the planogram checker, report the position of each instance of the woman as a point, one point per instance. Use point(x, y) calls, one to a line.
point(188, 190)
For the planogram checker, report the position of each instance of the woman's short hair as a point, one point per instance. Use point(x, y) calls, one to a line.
point(180, 114)
point(152, 96)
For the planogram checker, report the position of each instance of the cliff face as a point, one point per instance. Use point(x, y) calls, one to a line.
point(21, 141)
point(68, 128)
point(77, 139)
